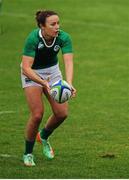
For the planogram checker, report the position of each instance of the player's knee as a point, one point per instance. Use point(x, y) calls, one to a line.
point(62, 115)
point(37, 117)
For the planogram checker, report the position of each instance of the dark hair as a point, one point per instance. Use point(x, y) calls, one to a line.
point(42, 15)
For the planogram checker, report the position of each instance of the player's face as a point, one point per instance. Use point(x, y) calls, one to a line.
point(51, 27)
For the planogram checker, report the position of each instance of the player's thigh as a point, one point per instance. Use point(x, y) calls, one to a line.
point(34, 98)
point(58, 109)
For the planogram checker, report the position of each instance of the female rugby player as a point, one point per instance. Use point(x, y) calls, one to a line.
point(39, 70)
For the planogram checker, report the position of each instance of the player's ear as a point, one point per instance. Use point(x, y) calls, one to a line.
point(41, 26)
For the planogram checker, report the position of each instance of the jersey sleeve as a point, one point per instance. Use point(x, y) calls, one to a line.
point(67, 45)
point(30, 47)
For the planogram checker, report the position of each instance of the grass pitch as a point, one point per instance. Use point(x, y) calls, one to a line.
point(94, 140)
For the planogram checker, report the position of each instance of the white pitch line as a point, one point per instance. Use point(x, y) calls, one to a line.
point(7, 156)
point(7, 112)
point(110, 26)
point(79, 23)
point(15, 15)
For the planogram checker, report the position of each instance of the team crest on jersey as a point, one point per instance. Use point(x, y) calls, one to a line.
point(40, 45)
point(56, 48)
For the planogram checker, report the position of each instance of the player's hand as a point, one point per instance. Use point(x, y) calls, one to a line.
point(46, 85)
point(74, 91)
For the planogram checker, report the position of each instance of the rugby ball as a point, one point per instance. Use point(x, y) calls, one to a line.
point(61, 91)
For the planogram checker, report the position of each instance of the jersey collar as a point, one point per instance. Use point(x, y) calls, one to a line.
point(40, 35)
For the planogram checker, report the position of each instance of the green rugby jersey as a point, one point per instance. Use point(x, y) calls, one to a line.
point(46, 55)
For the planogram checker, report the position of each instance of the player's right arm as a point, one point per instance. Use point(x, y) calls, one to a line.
point(27, 62)
point(28, 59)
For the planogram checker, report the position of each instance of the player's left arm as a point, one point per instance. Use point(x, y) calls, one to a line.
point(68, 62)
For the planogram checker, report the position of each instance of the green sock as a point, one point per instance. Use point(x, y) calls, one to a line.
point(29, 147)
point(45, 133)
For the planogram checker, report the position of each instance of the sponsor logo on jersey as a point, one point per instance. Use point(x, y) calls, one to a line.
point(40, 45)
point(56, 48)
